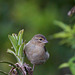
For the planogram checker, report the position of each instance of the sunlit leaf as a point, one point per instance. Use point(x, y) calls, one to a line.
point(17, 57)
point(11, 51)
point(72, 65)
point(63, 26)
point(61, 35)
point(17, 49)
point(13, 41)
point(18, 45)
point(20, 34)
point(64, 65)
point(15, 36)
point(20, 52)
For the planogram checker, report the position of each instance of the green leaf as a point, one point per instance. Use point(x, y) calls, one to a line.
point(61, 35)
point(17, 49)
point(13, 41)
point(18, 45)
point(72, 65)
point(3, 72)
point(63, 26)
point(20, 52)
point(64, 65)
point(15, 36)
point(17, 57)
point(10, 64)
point(11, 51)
point(20, 34)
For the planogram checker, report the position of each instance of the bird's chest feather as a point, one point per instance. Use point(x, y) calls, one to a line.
point(35, 52)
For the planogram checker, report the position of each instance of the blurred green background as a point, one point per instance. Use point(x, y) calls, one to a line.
point(35, 16)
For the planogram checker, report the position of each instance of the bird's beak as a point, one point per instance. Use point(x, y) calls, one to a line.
point(45, 41)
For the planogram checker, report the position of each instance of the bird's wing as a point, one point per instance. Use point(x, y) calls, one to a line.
point(45, 48)
point(24, 50)
point(47, 54)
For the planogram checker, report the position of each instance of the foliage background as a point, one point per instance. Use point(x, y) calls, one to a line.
point(35, 16)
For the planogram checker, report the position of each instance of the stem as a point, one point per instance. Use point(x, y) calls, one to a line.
point(3, 72)
point(20, 61)
point(8, 63)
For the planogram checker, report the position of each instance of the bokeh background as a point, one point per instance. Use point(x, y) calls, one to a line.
point(35, 16)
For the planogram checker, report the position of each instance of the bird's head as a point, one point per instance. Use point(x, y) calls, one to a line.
point(39, 39)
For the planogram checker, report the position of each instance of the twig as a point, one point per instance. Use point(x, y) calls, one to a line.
point(23, 69)
point(3, 72)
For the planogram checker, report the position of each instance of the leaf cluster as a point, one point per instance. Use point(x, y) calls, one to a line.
point(70, 64)
point(18, 45)
point(67, 35)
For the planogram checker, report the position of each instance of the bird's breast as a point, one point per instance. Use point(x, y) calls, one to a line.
point(35, 53)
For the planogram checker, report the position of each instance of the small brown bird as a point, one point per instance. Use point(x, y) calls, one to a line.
point(35, 50)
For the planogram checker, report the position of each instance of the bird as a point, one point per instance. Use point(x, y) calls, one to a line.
point(35, 50)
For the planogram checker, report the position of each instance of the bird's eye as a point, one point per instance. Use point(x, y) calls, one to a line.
point(40, 39)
